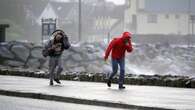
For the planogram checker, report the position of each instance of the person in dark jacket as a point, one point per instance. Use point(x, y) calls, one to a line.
point(55, 48)
point(119, 46)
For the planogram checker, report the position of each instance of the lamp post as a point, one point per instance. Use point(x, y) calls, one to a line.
point(192, 21)
point(80, 23)
point(189, 19)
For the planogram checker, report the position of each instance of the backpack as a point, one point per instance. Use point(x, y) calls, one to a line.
point(45, 51)
point(66, 43)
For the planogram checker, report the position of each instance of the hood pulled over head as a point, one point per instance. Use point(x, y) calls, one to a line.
point(126, 35)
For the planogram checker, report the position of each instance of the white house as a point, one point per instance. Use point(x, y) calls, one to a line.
point(47, 13)
point(164, 17)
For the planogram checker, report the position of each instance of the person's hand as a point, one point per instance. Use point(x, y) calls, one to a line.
point(53, 46)
point(105, 60)
point(126, 41)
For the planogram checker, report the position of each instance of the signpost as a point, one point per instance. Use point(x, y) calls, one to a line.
point(48, 27)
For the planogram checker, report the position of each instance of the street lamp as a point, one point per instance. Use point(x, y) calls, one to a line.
point(192, 18)
point(189, 19)
point(80, 23)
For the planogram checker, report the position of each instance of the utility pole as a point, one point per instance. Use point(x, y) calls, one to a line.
point(108, 39)
point(189, 18)
point(192, 21)
point(80, 22)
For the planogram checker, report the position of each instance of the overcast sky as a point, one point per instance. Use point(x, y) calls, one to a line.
point(117, 1)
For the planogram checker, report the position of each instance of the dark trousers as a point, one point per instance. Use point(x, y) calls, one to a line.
point(55, 63)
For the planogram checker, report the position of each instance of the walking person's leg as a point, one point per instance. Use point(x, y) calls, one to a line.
point(59, 70)
point(114, 71)
point(122, 73)
point(52, 66)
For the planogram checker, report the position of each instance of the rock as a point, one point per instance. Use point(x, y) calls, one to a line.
point(107, 69)
point(145, 59)
point(94, 68)
point(78, 69)
point(76, 49)
point(13, 63)
point(70, 63)
point(90, 49)
point(33, 63)
point(5, 53)
point(66, 54)
point(90, 57)
point(77, 57)
point(36, 52)
point(21, 51)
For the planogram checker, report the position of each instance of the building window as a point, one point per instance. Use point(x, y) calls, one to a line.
point(167, 16)
point(177, 16)
point(152, 18)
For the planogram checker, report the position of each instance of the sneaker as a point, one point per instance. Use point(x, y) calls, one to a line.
point(51, 83)
point(57, 81)
point(109, 83)
point(121, 87)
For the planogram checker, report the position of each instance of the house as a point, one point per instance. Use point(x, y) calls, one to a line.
point(98, 18)
point(167, 17)
point(47, 13)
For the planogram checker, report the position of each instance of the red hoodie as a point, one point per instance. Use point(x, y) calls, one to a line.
point(118, 46)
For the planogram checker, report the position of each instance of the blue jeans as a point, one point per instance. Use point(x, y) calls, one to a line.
point(121, 63)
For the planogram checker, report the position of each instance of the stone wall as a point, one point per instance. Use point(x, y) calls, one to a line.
point(79, 58)
point(149, 59)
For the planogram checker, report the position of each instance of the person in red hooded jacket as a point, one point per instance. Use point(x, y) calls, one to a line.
point(119, 46)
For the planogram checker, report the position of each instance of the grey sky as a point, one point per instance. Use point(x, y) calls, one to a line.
point(119, 2)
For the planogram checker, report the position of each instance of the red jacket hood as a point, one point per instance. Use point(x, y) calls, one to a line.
point(126, 35)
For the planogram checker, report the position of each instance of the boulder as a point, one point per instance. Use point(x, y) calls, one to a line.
point(70, 63)
point(76, 49)
point(66, 54)
point(78, 69)
point(5, 53)
point(36, 52)
point(89, 57)
point(89, 48)
point(94, 68)
point(107, 69)
point(77, 57)
point(13, 63)
point(33, 63)
point(21, 52)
